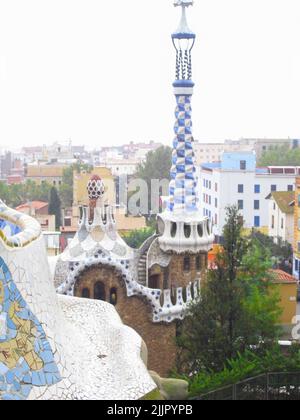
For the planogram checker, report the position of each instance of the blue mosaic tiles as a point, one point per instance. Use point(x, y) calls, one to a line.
point(26, 358)
point(183, 173)
point(8, 228)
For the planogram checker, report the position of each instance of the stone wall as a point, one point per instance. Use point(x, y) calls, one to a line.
point(136, 312)
point(175, 275)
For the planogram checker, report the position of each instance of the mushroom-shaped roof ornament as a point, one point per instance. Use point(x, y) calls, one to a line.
point(95, 187)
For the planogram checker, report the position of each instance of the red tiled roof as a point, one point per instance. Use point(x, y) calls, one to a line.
point(37, 205)
point(282, 277)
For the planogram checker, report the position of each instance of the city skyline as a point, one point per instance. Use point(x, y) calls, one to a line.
point(66, 78)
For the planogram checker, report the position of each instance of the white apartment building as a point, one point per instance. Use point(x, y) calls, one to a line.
point(237, 181)
point(213, 152)
point(122, 167)
point(281, 216)
point(209, 152)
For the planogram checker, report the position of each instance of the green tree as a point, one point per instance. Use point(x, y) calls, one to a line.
point(14, 195)
point(66, 188)
point(282, 252)
point(156, 167)
point(55, 206)
point(280, 156)
point(136, 238)
point(238, 308)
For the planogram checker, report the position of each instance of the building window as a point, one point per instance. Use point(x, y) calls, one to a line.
point(68, 222)
point(173, 229)
point(257, 221)
point(241, 204)
point(187, 264)
point(216, 203)
point(187, 231)
point(99, 291)
point(198, 263)
point(113, 296)
point(85, 293)
point(216, 219)
point(256, 205)
point(290, 188)
point(154, 282)
point(240, 188)
point(282, 223)
point(216, 187)
point(166, 279)
point(273, 188)
point(243, 165)
point(273, 222)
point(257, 189)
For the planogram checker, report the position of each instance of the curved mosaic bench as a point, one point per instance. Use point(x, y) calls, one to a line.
point(58, 348)
point(23, 229)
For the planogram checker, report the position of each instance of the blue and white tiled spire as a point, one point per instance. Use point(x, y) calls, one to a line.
point(183, 185)
point(181, 227)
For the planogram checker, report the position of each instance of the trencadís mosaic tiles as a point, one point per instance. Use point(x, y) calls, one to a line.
point(26, 358)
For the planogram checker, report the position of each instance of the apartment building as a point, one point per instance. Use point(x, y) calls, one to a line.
point(281, 216)
point(237, 181)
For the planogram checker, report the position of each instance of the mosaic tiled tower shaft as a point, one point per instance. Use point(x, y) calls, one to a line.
point(183, 173)
point(182, 228)
point(183, 195)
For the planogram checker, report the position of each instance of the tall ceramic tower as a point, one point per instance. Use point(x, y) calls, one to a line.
point(181, 226)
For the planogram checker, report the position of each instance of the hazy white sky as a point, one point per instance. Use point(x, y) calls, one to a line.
point(100, 72)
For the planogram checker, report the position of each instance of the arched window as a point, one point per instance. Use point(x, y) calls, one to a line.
point(173, 230)
point(187, 264)
point(187, 231)
point(166, 279)
point(154, 282)
point(113, 296)
point(99, 291)
point(200, 230)
point(198, 263)
point(85, 293)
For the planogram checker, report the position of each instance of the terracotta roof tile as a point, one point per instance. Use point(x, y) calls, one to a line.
point(282, 277)
point(37, 205)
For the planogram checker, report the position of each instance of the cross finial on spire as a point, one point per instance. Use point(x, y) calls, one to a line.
point(183, 3)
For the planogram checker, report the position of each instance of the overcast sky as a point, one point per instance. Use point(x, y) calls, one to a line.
point(100, 72)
